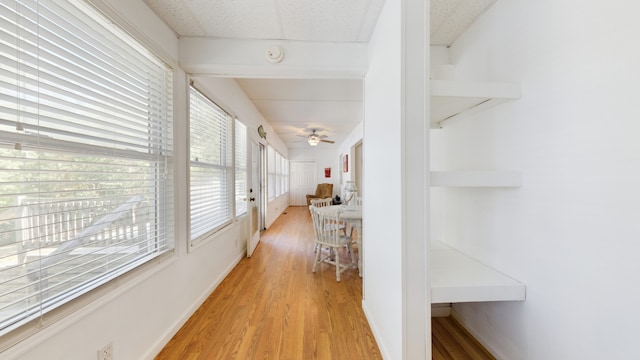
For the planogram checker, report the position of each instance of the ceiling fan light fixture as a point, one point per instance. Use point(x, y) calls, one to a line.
point(313, 140)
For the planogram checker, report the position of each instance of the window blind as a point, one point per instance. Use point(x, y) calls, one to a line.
point(271, 173)
point(85, 155)
point(211, 170)
point(284, 178)
point(241, 167)
point(277, 174)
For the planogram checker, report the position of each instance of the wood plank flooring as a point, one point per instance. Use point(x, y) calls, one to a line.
point(272, 306)
point(450, 341)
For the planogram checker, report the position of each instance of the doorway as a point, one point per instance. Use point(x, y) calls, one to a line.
point(303, 181)
point(256, 196)
point(357, 167)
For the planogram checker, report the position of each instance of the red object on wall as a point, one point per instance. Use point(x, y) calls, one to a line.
point(327, 172)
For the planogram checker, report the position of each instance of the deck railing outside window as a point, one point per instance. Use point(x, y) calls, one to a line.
point(86, 149)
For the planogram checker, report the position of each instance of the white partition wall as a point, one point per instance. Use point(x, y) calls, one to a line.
point(396, 182)
point(570, 231)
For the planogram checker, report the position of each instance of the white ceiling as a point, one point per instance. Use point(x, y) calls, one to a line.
point(450, 18)
point(304, 20)
point(293, 106)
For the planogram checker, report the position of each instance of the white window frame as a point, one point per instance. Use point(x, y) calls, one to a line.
point(229, 135)
point(86, 94)
point(211, 170)
point(241, 174)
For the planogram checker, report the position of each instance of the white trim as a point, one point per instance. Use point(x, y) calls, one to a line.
point(155, 349)
point(376, 333)
point(416, 312)
point(143, 25)
point(486, 344)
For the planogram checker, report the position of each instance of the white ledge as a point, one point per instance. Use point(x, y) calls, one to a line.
point(456, 277)
point(453, 99)
point(476, 178)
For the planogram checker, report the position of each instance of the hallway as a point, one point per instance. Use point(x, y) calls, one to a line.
point(271, 306)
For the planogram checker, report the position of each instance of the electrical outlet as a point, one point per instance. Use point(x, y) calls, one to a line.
point(106, 353)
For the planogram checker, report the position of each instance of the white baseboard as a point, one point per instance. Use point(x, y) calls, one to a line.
point(155, 349)
point(375, 332)
point(456, 315)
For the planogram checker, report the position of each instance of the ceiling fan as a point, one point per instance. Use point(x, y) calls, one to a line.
point(314, 139)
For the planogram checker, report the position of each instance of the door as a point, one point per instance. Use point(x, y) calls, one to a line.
point(255, 198)
point(302, 181)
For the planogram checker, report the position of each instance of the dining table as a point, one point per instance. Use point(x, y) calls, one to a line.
point(351, 215)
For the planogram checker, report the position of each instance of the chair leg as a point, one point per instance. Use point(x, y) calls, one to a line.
point(337, 260)
point(315, 263)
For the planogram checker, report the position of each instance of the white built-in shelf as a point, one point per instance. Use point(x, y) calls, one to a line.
point(453, 98)
point(476, 178)
point(456, 277)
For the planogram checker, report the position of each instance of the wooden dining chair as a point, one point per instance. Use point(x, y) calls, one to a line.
point(327, 202)
point(316, 203)
point(321, 202)
point(329, 235)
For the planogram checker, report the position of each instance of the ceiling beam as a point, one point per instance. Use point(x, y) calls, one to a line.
point(247, 58)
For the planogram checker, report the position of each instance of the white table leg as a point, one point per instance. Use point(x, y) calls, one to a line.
point(358, 228)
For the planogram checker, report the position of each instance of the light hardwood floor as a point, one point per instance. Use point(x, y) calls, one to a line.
point(272, 306)
point(450, 341)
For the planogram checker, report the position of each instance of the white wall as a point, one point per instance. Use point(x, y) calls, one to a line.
point(395, 215)
point(347, 147)
point(570, 233)
point(382, 277)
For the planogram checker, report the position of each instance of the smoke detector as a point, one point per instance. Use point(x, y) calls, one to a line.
point(275, 54)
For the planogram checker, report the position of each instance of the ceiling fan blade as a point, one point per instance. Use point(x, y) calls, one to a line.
point(304, 136)
point(327, 141)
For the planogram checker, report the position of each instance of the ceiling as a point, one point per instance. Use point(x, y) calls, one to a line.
point(293, 106)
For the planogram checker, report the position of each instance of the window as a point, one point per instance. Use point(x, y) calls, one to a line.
point(241, 167)
point(277, 174)
point(271, 173)
point(86, 189)
point(284, 175)
point(211, 170)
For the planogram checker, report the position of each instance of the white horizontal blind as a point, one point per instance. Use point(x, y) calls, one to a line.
point(211, 170)
point(85, 155)
point(271, 173)
point(278, 167)
point(284, 175)
point(277, 173)
point(241, 167)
